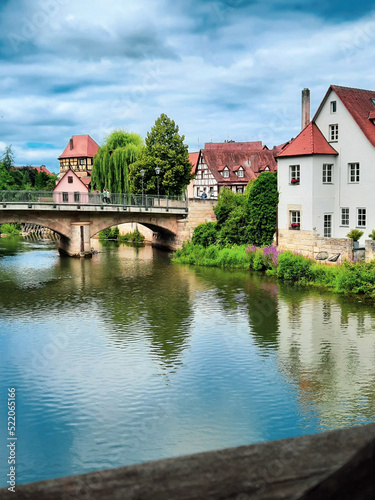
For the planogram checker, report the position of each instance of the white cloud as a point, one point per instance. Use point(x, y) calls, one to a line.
point(218, 70)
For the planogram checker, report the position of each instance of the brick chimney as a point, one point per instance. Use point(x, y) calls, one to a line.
point(305, 107)
point(71, 143)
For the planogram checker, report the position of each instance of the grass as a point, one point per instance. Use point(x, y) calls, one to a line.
point(346, 278)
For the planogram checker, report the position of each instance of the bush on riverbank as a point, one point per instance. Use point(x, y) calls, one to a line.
point(10, 229)
point(348, 278)
point(212, 256)
point(135, 237)
point(111, 233)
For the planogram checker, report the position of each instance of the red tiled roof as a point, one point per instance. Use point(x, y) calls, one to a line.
point(83, 147)
point(359, 104)
point(42, 168)
point(252, 161)
point(86, 180)
point(193, 158)
point(308, 142)
point(234, 146)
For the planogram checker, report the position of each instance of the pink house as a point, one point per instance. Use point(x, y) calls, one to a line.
point(71, 189)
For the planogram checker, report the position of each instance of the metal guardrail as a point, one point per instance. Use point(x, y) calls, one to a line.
point(93, 199)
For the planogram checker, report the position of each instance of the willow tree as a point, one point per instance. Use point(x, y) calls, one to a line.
point(110, 169)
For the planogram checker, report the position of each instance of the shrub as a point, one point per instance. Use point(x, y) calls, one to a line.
point(135, 237)
point(294, 267)
point(262, 201)
point(10, 229)
point(372, 234)
point(356, 278)
point(234, 230)
point(226, 203)
point(205, 234)
point(355, 234)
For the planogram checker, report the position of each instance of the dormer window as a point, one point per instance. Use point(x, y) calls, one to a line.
point(240, 172)
point(226, 172)
point(373, 100)
point(267, 169)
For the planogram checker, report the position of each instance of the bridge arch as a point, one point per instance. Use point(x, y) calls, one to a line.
point(30, 218)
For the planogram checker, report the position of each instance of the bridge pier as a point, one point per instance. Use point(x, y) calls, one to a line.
point(78, 245)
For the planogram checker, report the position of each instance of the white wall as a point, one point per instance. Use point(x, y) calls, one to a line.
point(352, 146)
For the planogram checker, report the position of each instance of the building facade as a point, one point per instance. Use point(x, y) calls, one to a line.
point(230, 164)
point(326, 174)
point(78, 155)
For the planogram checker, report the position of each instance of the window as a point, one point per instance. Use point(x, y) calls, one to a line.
point(333, 107)
point(70, 179)
point(373, 101)
point(333, 133)
point(226, 172)
point(295, 219)
point(294, 174)
point(361, 217)
point(65, 197)
point(82, 161)
point(345, 216)
point(76, 197)
point(327, 173)
point(327, 225)
point(353, 172)
point(240, 172)
point(239, 189)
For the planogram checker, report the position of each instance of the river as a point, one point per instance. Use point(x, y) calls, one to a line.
point(127, 357)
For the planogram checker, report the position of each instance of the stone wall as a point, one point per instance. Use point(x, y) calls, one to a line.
point(310, 243)
point(200, 211)
point(369, 250)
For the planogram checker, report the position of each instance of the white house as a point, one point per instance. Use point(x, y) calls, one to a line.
point(326, 175)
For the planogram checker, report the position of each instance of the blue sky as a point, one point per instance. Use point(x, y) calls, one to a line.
point(222, 69)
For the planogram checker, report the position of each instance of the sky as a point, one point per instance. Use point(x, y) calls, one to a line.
point(221, 69)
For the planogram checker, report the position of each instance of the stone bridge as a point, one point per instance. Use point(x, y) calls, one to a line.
point(77, 224)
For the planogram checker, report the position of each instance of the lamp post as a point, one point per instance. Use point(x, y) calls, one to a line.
point(142, 172)
point(157, 171)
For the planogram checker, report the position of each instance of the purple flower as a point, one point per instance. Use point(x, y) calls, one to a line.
point(271, 254)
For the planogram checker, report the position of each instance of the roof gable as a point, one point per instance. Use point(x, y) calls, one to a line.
point(359, 104)
point(77, 183)
point(308, 142)
point(253, 162)
point(80, 146)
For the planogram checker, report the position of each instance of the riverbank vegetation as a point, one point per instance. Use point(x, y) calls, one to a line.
point(10, 229)
point(113, 233)
point(242, 238)
point(350, 278)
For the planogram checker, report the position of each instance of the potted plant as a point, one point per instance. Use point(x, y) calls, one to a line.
point(294, 181)
point(294, 225)
point(372, 234)
point(355, 235)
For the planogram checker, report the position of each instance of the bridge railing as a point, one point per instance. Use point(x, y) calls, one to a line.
point(94, 199)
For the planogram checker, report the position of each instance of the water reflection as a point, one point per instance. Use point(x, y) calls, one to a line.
point(327, 348)
point(126, 357)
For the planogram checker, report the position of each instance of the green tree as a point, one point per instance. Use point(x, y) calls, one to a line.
point(226, 203)
point(111, 163)
point(263, 200)
point(8, 158)
point(165, 149)
point(6, 163)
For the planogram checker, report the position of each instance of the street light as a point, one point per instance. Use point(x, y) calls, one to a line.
point(142, 172)
point(157, 171)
